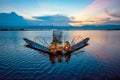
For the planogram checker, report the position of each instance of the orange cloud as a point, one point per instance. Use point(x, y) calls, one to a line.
point(95, 21)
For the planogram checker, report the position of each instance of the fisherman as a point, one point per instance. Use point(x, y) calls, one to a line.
point(67, 46)
point(53, 47)
point(59, 46)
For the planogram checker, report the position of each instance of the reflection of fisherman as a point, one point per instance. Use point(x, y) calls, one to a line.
point(67, 56)
point(53, 47)
point(67, 46)
point(59, 56)
point(52, 58)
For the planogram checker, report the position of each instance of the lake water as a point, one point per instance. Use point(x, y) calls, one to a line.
point(100, 60)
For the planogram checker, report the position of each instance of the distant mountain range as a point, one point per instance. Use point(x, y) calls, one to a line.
point(14, 21)
point(99, 27)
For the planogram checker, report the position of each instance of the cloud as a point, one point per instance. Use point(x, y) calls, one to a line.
point(112, 22)
point(113, 13)
point(12, 19)
point(96, 21)
point(54, 20)
point(96, 8)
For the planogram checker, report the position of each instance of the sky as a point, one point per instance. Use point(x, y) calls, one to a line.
point(80, 12)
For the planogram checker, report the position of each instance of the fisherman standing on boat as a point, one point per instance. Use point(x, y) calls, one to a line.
point(67, 46)
point(53, 47)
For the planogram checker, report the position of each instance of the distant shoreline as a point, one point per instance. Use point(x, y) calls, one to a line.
point(39, 28)
point(52, 29)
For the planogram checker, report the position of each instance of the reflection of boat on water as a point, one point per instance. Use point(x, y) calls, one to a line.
point(57, 38)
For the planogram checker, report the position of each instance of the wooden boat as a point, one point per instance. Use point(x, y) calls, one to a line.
point(42, 48)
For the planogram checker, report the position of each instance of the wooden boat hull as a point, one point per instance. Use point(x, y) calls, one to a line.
point(39, 47)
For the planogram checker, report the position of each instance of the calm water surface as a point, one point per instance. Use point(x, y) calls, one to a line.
point(100, 60)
